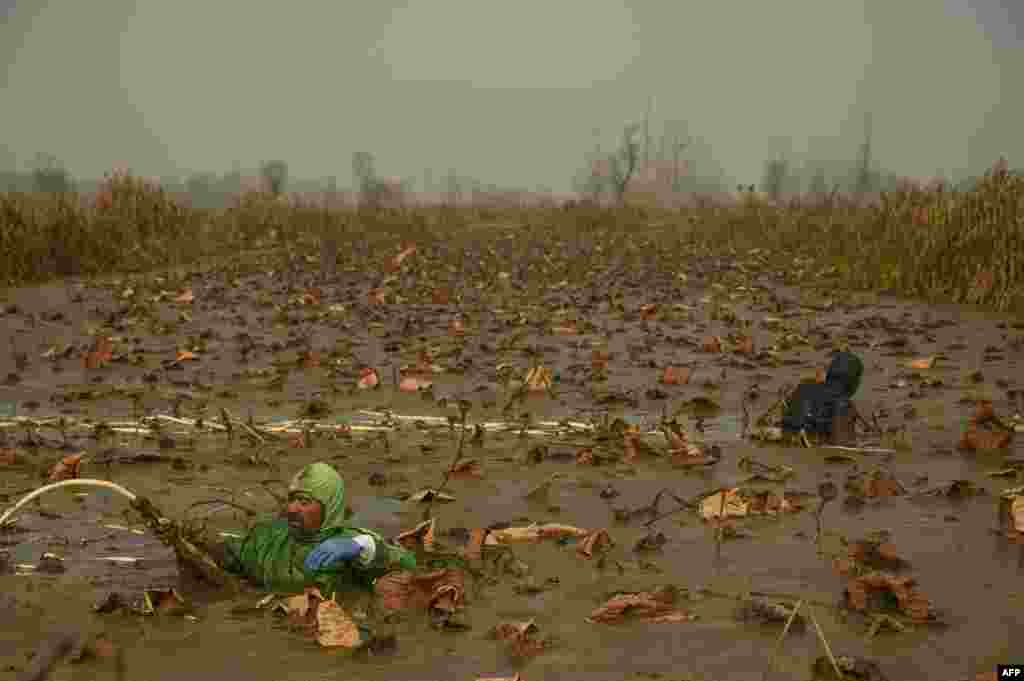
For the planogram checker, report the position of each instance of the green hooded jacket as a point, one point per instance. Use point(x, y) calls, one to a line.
point(272, 555)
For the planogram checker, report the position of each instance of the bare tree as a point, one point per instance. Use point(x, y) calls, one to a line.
point(864, 181)
point(776, 172)
point(49, 174)
point(275, 175)
point(622, 164)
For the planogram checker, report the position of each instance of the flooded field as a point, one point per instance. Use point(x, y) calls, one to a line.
point(262, 336)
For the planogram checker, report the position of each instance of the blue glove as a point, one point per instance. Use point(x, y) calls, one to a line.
point(331, 551)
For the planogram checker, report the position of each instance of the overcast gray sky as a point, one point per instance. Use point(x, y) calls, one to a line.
point(509, 92)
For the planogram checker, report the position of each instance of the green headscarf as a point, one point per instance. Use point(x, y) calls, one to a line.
point(845, 372)
point(273, 555)
point(321, 482)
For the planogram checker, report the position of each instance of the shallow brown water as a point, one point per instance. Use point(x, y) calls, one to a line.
point(971, 575)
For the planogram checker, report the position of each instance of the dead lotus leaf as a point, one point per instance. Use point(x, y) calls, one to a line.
point(647, 606)
point(186, 296)
point(335, 628)
point(538, 379)
point(309, 359)
point(99, 353)
point(874, 484)
point(975, 438)
point(474, 547)
point(908, 599)
point(368, 378)
point(922, 363)
point(711, 344)
point(469, 468)
point(533, 533)
point(586, 456)
point(298, 606)
point(411, 384)
point(596, 540)
point(67, 468)
point(1011, 512)
point(420, 536)
point(648, 310)
point(738, 502)
point(675, 375)
point(441, 589)
point(744, 345)
point(519, 638)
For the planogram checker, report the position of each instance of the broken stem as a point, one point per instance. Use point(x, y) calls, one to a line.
point(778, 641)
point(824, 643)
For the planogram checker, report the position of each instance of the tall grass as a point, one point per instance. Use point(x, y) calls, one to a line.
point(936, 243)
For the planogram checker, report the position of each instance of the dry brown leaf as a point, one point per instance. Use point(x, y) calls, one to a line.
point(474, 547)
point(650, 606)
point(738, 502)
point(711, 344)
point(375, 296)
point(910, 601)
point(922, 363)
point(675, 375)
point(599, 359)
point(595, 540)
point(9, 456)
point(297, 441)
point(335, 628)
point(874, 484)
point(975, 438)
point(984, 411)
point(519, 638)
point(586, 456)
point(469, 468)
point(515, 677)
point(538, 379)
point(630, 450)
point(99, 353)
point(67, 468)
point(312, 295)
point(396, 261)
point(568, 329)
point(456, 327)
point(185, 296)
point(744, 345)
point(439, 589)
point(648, 311)
point(440, 296)
point(420, 536)
point(411, 384)
point(309, 359)
point(368, 378)
point(185, 355)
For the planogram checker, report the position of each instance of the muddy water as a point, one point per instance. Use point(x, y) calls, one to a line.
point(972, 576)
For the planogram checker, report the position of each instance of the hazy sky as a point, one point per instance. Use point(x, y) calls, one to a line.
point(506, 91)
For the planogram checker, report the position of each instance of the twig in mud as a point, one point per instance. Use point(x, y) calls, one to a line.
point(824, 643)
point(464, 406)
point(778, 641)
point(684, 505)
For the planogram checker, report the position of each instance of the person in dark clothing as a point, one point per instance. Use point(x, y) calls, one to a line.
point(825, 409)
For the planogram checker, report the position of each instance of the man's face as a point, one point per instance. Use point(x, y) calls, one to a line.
point(304, 513)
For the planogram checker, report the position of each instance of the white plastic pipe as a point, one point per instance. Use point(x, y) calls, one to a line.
point(80, 482)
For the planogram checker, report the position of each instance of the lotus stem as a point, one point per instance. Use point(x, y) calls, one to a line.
point(81, 482)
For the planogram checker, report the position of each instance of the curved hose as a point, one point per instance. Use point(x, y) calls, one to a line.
point(79, 482)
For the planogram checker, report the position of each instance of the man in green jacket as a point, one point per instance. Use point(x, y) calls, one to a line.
point(311, 545)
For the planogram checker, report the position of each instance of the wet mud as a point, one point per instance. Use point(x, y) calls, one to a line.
point(516, 292)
